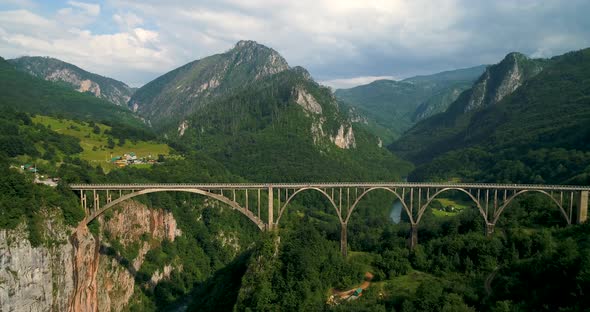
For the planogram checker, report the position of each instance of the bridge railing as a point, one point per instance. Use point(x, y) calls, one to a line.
point(139, 186)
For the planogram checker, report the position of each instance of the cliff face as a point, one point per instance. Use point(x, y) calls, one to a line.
point(127, 226)
point(36, 278)
point(501, 80)
point(86, 259)
point(74, 273)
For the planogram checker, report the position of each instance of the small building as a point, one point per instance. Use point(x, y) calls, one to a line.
point(130, 157)
point(29, 168)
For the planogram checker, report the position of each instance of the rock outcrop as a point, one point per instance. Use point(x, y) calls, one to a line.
point(344, 138)
point(307, 101)
point(502, 79)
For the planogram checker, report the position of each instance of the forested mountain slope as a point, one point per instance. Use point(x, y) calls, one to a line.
point(290, 128)
point(539, 132)
point(26, 93)
point(78, 79)
point(176, 94)
point(437, 134)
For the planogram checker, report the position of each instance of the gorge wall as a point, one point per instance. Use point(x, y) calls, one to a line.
point(75, 273)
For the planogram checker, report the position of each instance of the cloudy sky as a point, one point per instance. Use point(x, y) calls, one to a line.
point(341, 42)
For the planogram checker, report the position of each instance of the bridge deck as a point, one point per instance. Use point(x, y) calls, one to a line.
point(243, 186)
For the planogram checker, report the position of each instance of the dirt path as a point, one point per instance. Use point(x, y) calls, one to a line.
point(364, 285)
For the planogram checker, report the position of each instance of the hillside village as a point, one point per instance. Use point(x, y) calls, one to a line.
point(132, 159)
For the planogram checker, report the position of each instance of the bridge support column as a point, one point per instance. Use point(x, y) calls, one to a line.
point(490, 229)
point(270, 224)
point(343, 239)
point(582, 207)
point(413, 240)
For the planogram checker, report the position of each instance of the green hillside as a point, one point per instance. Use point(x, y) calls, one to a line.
point(538, 134)
point(26, 93)
point(442, 132)
point(96, 147)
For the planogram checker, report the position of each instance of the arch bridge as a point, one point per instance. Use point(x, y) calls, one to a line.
point(265, 204)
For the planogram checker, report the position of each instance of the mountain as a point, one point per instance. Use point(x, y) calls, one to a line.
point(27, 93)
point(247, 106)
point(438, 133)
point(397, 105)
point(181, 91)
point(446, 87)
point(525, 120)
point(74, 77)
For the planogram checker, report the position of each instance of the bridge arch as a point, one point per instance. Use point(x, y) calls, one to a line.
point(380, 188)
point(509, 200)
point(284, 206)
point(259, 223)
point(429, 201)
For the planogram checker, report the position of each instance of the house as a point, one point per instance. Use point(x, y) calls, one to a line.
point(29, 168)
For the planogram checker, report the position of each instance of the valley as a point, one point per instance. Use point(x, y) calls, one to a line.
point(258, 189)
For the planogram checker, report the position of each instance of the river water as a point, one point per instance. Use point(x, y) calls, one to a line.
point(396, 212)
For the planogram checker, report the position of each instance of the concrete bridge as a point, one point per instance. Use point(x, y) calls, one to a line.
point(265, 204)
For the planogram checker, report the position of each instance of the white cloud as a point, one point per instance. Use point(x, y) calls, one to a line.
point(78, 14)
point(345, 83)
point(136, 50)
point(91, 9)
point(332, 38)
point(128, 20)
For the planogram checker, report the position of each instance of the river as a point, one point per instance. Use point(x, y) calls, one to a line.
point(396, 212)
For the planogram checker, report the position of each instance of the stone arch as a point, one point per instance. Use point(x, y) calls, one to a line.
point(379, 188)
point(508, 201)
point(221, 198)
point(284, 206)
point(429, 201)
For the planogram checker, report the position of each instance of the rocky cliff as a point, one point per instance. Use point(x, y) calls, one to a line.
point(500, 80)
point(34, 278)
point(76, 273)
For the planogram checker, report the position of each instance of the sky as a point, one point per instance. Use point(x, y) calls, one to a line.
point(343, 43)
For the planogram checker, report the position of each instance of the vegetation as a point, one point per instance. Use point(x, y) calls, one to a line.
point(98, 140)
point(22, 201)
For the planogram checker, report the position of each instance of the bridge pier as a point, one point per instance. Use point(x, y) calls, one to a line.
point(582, 207)
point(413, 240)
point(490, 229)
point(269, 226)
point(343, 239)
